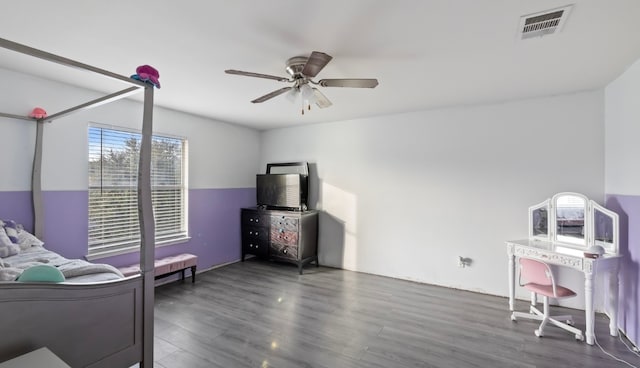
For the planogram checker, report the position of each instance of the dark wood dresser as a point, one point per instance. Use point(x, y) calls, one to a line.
point(288, 236)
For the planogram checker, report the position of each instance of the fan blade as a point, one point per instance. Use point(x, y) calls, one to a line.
point(315, 63)
point(321, 100)
point(353, 83)
point(271, 95)
point(257, 75)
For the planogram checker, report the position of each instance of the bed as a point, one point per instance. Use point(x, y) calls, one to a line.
point(94, 319)
point(73, 271)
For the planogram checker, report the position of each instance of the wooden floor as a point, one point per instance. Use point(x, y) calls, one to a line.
point(263, 314)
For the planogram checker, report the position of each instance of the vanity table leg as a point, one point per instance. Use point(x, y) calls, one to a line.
point(588, 307)
point(512, 280)
point(613, 301)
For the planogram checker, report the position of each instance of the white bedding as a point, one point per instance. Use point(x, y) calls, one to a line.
point(74, 270)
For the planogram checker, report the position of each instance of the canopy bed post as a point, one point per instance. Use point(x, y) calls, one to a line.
point(36, 183)
point(121, 309)
point(147, 227)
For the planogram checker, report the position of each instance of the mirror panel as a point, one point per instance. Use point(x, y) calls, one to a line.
point(540, 222)
point(570, 214)
point(603, 229)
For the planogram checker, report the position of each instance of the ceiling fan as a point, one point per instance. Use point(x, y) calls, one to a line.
point(301, 69)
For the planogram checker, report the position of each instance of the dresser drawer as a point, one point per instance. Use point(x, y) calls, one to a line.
point(255, 246)
point(254, 218)
point(285, 223)
point(284, 237)
point(252, 233)
point(284, 251)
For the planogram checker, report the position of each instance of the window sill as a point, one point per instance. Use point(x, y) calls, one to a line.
point(134, 249)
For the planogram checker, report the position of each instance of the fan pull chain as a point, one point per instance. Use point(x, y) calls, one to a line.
point(308, 105)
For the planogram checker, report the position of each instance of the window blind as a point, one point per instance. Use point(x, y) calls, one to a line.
point(113, 191)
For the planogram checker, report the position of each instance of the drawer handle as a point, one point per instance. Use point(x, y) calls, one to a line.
point(284, 251)
point(250, 245)
point(250, 220)
point(257, 220)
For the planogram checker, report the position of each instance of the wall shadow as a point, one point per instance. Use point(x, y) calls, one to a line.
point(330, 240)
point(628, 276)
point(314, 186)
point(331, 229)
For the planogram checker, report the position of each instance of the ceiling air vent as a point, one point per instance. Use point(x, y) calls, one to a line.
point(543, 23)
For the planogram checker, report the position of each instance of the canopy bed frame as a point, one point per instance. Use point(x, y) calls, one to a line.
point(105, 324)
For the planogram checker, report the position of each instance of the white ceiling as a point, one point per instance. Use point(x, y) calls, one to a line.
point(425, 53)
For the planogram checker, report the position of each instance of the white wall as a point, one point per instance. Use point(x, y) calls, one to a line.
point(623, 129)
point(405, 195)
point(221, 155)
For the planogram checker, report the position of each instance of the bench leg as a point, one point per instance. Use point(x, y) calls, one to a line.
point(193, 274)
point(182, 275)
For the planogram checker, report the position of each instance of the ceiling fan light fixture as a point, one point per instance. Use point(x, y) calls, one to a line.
point(292, 95)
point(302, 69)
point(308, 97)
point(307, 92)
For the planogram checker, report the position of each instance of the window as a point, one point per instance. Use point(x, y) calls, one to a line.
point(113, 189)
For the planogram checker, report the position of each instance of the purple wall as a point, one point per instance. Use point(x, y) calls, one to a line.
point(214, 224)
point(628, 208)
point(214, 227)
point(65, 222)
point(17, 206)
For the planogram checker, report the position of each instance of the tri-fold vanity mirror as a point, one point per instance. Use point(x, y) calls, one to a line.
point(576, 221)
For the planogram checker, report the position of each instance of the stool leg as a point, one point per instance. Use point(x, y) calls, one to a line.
point(193, 274)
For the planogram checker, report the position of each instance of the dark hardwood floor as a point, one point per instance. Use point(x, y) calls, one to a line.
point(263, 314)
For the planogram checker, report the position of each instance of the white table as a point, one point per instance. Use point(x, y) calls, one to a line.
point(563, 255)
point(41, 358)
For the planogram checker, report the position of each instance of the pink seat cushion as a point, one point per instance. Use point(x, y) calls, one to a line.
point(165, 265)
point(162, 266)
point(547, 290)
point(130, 270)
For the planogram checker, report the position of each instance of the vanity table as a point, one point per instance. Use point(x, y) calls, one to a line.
point(569, 230)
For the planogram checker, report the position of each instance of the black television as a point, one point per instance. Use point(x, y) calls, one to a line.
point(284, 186)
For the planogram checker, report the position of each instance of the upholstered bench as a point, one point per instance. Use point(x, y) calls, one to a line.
point(168, 266)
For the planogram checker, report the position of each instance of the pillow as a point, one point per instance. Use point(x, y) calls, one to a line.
point(4, 238)
point(27, 240)
point(7, 248)
point(9, 274)
point(10, 250)
point(41, 273)
point(11, 228)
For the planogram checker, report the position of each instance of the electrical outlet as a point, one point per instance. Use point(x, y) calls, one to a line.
point(464, 262)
